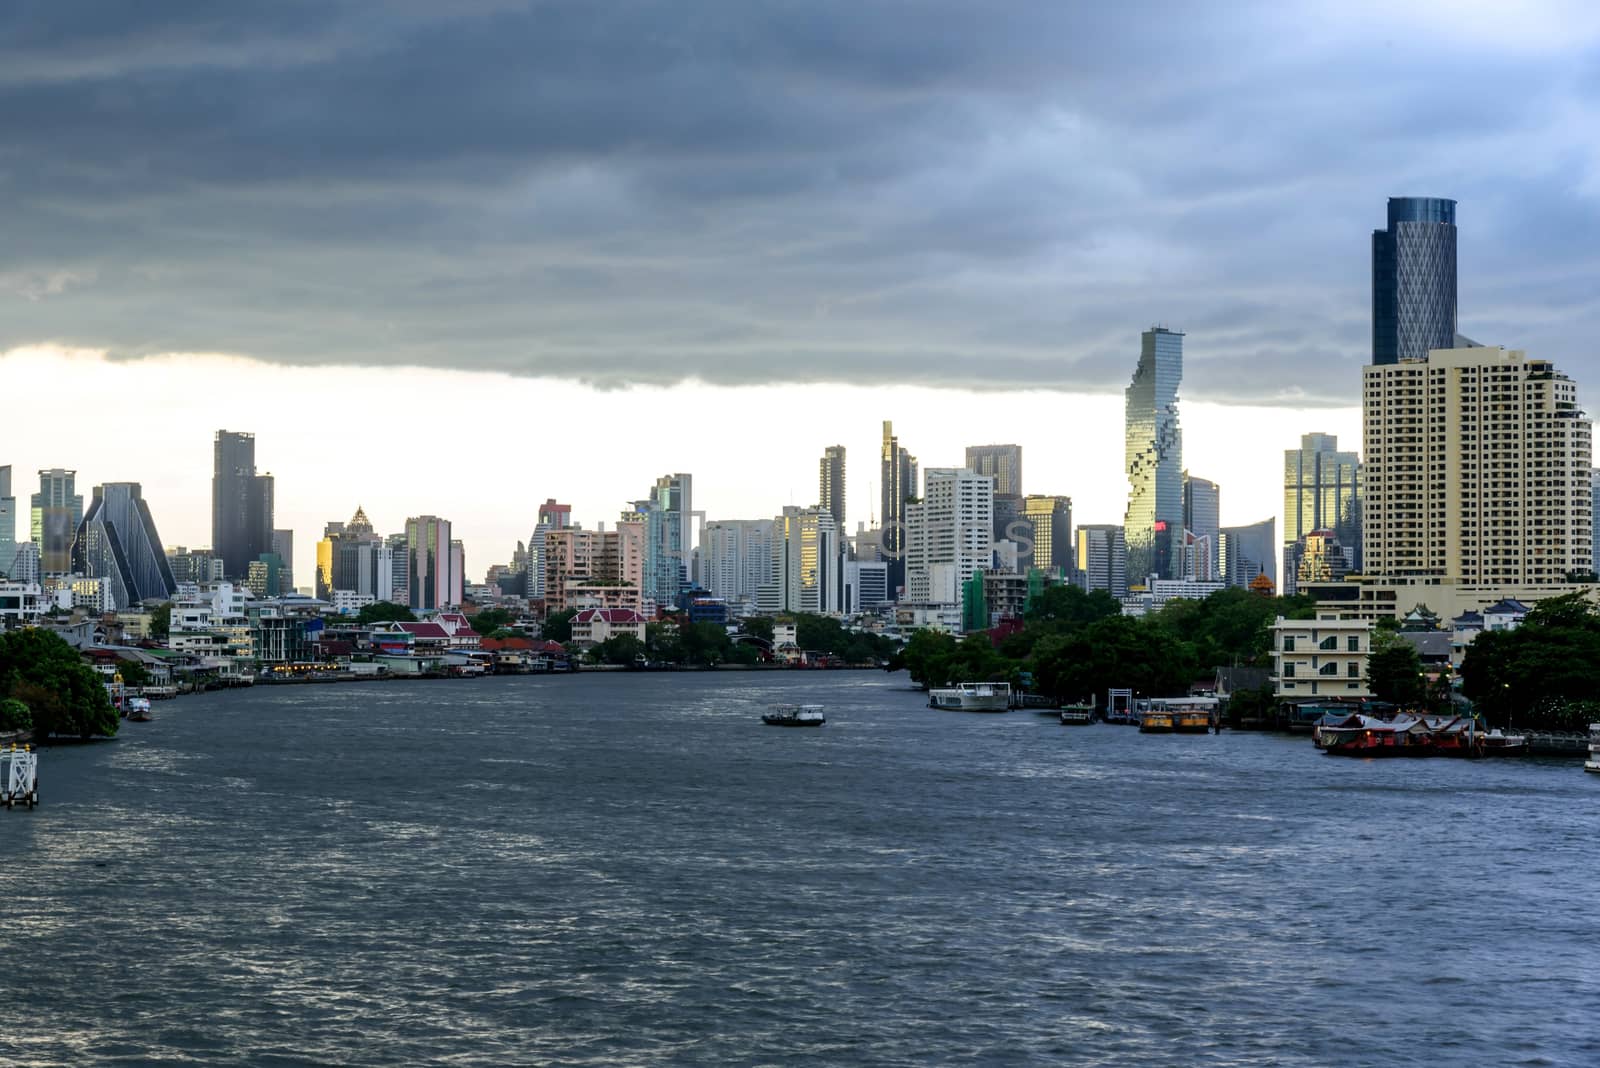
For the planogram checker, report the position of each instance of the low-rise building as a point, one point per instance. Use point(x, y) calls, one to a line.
point(22, 604)
point(591, 626)
point(1320, 659)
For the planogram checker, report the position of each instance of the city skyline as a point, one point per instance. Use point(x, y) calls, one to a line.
point(494, 507)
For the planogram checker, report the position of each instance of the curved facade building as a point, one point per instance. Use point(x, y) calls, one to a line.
point(117, 541)
point(1414, 280)
point(1153, 524)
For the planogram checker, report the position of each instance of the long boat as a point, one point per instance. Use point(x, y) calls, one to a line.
point(1409, 736)
point(1593, 763)
point(972, 697)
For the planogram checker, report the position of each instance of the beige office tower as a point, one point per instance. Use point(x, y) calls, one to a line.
point(1477, 471)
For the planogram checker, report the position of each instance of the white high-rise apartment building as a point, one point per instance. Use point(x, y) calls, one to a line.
point(1477, 470)
point(949, 534)
point(736, 558)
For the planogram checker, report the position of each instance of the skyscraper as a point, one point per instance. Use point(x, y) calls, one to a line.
point(830, 484)
point(898, 474)
point(1594, 519)
point(354, 558)
point(737, 558)
point(1414, 280)
point(807, 563)
point(1202, 510)
point(428, 579)
point(8, 520)
point(1102, 559)
point(283, 546)
point(552, 516)
point(117, 541)
point(57, 510)
point(1050, 522)
point(1153, 524)
point(669, 536)
point(1249, 551)
point(949, 534)
point(241, 504)
point(1477, 471)
point(1322, 492)
point(1003, 463)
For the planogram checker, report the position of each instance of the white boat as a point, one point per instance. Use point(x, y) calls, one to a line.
point(1593, 763)
point(795, 716)
point(138, 709)
point(973, 697)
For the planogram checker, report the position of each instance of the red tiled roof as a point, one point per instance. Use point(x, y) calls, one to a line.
point(425, 630)
point(608, 615)
point(499, 645)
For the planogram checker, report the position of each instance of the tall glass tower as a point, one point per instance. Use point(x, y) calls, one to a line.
point(1414, 280)
point(1153, 525)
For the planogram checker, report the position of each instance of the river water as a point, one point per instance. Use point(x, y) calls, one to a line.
point(631, 869)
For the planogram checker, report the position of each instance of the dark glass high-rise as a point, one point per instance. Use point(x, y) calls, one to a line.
point(1414, 280)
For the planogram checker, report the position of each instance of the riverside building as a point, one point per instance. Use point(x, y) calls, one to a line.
point(1476, 482)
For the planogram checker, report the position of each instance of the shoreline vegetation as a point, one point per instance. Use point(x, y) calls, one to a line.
point(1070, 647)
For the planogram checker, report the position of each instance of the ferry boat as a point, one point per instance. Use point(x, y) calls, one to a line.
point(794, 716)
point(138, 709)
point(1593, 763)
point(1077, 715)
point(973, 697)
point(1157, 721)
point(1177, 715)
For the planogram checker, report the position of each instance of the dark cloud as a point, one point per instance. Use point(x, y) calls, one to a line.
point(965, 195)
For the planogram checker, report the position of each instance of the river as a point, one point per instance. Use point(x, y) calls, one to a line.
point(631, 869)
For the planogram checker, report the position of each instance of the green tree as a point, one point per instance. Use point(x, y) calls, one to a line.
point(1540, 675)
point(927, 656)
point(1394, 671)
point(65, 695)
point(384, 612)
point(488, 620)
point(663, 644)
point(133, 673)
point(1072, 606)
point(558, 626)
point(622, 649)
point(704, 643)
point(757, 627)
point(14, 715)
point(1117, 651)
point(161, 621)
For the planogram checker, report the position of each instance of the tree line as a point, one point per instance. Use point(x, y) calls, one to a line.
point(1075, 645)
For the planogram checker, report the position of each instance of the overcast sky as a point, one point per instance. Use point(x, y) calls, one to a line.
point(864, 195)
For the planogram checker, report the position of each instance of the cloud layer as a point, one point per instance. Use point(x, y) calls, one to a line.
point(741, 191)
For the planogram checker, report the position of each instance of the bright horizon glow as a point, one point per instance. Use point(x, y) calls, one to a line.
point(484, 450)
